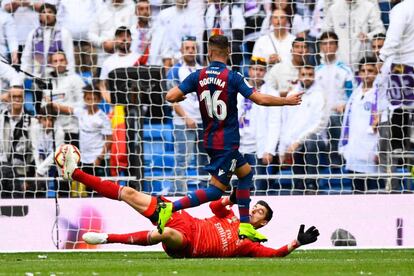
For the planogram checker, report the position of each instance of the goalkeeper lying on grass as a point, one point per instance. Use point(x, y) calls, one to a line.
point(185, 235)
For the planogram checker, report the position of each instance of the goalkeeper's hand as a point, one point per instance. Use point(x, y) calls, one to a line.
point(310, 236)
point(233, 197)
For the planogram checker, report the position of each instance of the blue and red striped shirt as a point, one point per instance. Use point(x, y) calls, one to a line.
point(217, 89)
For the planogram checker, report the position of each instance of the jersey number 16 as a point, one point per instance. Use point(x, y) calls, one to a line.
point(215, 107)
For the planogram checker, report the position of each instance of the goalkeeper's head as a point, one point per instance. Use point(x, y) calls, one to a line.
point(260, 214)
point(218, 48)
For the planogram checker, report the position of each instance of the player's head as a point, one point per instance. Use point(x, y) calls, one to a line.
point(143, 10)
point(117, 2)
point(181, 4)
point(306, 75)
point(91, 95)
point(46, 117)
point(328, 43)
point(16, 97)
point(367, 70)
point(189, 49)
point(279, 20)
point(218, 47)
point(299, 50)
point(59, 62)
point(123, 39)
point(257, 70)
point(47, 15)
point(260, 214)
point(376, 43)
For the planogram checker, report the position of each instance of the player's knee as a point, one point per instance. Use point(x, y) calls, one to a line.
point(168, 234)
point(128, 193)
point(215, 192)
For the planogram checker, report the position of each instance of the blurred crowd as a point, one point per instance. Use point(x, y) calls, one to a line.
point(353, 59)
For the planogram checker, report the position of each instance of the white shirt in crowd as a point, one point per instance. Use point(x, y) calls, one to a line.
point(67, 90)
point(115, 61)
point(77, 15)
point(107, 19)
point(171, 25)
point(42, 145)
point(399, 42)
point(268, 44)
point(237, 18)
point(28, 62)
point(311, 20)
point(299, 122)
point(334, 78)
point(141, 38)
point(92, 132)
point(283, 76)
point(381, 84)
point(361, 150)
point(259, 125)
point(348, 21)
point(26, 19)
point(191, 104)
point(8, 74)
point(8, 35)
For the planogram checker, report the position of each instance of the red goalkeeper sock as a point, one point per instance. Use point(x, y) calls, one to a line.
point(103, 187)
point(150, 212)
point(138, 238)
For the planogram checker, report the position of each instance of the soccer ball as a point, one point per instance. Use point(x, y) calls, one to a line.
point(63, 149)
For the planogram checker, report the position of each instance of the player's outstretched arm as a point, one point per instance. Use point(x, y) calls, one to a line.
point(175, 95)
point(268, 100)
point(303, 238)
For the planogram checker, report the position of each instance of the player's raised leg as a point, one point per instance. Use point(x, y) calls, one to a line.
point(145, 204)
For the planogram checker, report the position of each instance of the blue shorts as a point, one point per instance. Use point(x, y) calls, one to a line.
point(223, 163)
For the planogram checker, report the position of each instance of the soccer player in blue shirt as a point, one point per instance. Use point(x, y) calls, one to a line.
point(217, 88)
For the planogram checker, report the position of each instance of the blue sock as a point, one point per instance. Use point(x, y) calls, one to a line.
point(198, 197)
point(243, 197)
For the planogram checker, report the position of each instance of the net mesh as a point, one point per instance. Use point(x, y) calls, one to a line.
point(101, 86)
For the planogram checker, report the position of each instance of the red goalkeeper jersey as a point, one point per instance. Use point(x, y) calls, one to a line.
point(218, 236)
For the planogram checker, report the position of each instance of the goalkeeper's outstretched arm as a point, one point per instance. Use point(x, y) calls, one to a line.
point(303, 238)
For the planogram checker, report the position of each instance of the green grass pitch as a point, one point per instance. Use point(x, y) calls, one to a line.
point(301, 262)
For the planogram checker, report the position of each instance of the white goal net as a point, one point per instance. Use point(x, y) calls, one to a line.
point(96, 74)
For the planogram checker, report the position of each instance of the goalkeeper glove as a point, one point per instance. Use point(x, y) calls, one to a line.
point(233, 197)
point(310, 236)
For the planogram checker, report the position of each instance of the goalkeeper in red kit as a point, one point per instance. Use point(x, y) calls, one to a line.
point(185, 235)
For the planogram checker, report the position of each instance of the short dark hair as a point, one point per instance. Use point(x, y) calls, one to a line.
point(48, 6)
point(17, 87)
point(46, 111)
point(367, 60)
point(122, 30)
point(306, 66)
point(92, 88)
point(269, 213)
point(379, 36)
point(327, 35)
point(299, 40)
point(219, 41)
